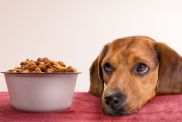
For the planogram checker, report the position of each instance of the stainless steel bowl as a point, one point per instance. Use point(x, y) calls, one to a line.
point(41, 92)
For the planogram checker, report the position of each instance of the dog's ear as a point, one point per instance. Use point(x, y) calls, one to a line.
point(169, 69)
point(96, 75)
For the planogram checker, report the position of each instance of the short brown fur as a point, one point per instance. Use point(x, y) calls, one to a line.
point(164, 76)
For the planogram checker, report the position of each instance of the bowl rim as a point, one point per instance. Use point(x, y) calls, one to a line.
point(42, 73)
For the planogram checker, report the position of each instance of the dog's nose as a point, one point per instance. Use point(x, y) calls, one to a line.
point(114, 100)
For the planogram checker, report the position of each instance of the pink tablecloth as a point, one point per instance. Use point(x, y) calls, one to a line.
point(87, 108)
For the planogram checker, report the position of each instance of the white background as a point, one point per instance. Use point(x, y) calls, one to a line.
point(75, 30)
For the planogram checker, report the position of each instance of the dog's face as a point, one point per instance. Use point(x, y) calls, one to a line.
point(130, 73)
point(126, 74)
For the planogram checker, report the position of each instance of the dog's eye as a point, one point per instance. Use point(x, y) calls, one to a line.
point(108, 68)
point(141, 69)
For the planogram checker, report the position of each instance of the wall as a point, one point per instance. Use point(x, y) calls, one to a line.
point(75, 30)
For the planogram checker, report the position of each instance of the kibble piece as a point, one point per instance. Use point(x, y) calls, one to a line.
point(26, 71)
point(38, 70)
point(23, 63)
point(41, 63)
point(31, 66)
point(49, 70)
point(59, 68)
point(45, 60)
point(48, 65)
point(42, 67)
point(71, 69)
point(61, 63)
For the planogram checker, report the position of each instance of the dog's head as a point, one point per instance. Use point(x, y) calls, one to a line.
point(129, 72)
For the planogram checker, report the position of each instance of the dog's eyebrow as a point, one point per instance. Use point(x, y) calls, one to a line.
point(140, 59)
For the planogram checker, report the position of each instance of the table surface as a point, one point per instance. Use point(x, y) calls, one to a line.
point(86, 107)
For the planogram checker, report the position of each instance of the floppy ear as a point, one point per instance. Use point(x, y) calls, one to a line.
point(170, 69)
point(96, 75)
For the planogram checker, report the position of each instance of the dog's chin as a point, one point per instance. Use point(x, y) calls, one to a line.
point(118, 112)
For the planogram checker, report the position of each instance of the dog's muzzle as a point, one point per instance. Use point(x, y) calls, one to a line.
point(114, 103)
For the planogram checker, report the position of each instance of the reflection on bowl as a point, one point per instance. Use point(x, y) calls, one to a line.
point(41, 92)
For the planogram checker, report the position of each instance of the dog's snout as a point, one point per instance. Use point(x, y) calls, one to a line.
point(114, 100)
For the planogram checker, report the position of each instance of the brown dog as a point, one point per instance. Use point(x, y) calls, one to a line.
point(132, 70)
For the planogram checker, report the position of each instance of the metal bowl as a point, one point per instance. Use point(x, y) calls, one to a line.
point(41, 92)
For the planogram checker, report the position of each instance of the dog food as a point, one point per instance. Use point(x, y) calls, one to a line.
point(42, 65)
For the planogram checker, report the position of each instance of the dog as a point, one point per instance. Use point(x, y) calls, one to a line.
point(130, 71)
